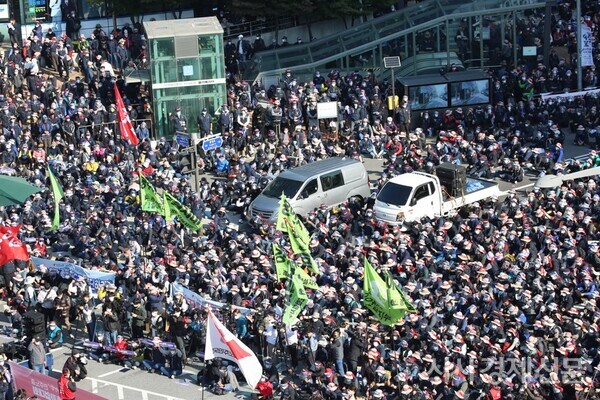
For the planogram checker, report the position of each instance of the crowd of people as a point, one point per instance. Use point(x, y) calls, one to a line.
point(506, 289)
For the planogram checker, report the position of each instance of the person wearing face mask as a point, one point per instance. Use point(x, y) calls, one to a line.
point(205, 124)
point(178, 122)
point(230, 49)
point(76, 365)
point(258, 45)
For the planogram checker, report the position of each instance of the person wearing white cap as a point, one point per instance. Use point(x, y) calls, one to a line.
point(243, 48)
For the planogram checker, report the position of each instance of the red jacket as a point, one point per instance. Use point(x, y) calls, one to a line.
point(265, 388)
point(122, 345)
point(66, 388)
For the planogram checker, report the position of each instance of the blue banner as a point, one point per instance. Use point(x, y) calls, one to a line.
point(195, 300)
point(94, 278)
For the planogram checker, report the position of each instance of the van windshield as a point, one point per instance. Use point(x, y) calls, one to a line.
point(394, 194)
point(288, 186)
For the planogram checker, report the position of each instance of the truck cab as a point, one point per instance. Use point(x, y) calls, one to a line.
point(409, 197)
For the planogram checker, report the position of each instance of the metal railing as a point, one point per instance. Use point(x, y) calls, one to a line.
point(377, 33)
point(252, 28)
point(114, 125)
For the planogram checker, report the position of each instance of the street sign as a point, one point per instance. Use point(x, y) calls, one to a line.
point(212, 143)
point(183, 140)
point(392, 62)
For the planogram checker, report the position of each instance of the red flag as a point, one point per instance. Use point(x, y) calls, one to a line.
point(11, 248)
point(125, 126)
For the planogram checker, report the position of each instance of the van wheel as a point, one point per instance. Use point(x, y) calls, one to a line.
point(358, 200)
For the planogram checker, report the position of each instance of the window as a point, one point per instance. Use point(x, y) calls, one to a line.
point(395, 194)
point(431, 188)
point(282, 185)
point(332, 180)
point(421, 192)
point(310, 188)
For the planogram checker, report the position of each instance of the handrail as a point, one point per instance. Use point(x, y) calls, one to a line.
point(251, 28)
point(312, 63)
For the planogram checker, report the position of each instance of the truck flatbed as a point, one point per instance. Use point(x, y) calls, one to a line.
point(477, 189)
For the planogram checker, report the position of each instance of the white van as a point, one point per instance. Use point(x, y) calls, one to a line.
point(327, 182)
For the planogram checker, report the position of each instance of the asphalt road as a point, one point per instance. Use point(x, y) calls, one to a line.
point(115, 382)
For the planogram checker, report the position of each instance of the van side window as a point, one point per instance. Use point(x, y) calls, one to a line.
point(310, 188)
point(332, 180)
point(421, 192)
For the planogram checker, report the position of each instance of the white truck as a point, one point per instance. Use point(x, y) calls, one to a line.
point(412, 196)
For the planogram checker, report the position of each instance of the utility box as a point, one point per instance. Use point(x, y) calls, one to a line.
point(187, 70)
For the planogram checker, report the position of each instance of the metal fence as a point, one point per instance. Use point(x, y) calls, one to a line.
point(114, 125)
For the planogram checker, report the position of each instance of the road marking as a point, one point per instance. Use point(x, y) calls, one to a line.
point(94, 387)
point(113, 372)
point(121, 387)
point(144, 396)
point(120, 392)
point(56, 349)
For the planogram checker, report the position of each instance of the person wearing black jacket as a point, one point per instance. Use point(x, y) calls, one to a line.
point(76, 365)
point(157, 358)
point(174, 359)
point(178, 331)
point(138, 319)
point(356, 348)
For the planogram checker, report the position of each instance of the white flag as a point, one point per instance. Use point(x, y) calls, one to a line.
point(221, 343)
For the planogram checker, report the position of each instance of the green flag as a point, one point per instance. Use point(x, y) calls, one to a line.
point(167, 208)
point(58, 194)
point(409, 307)
point(298, 246)
point(307, 280)
point(282, 214)
point(288, 221)
point(375, 297)
point(174, 208)
point(298, 300)
point(395, 301)
point(282, 263)
point(304, 253)
point(151, 202)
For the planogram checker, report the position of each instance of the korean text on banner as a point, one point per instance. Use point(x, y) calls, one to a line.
point(93, 277)
point(173, 207)
point(587, 43)
point(42, 386)
point(375, 297)
point(288, 221)
point(282, 263)
point(298, 300)
point(195, 300)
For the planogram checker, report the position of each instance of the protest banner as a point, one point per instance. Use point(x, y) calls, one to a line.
point(297, 301)
point(195, 300)
point(174, 208)
point(42, 386)
point(282, 263)
point(93, 277)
